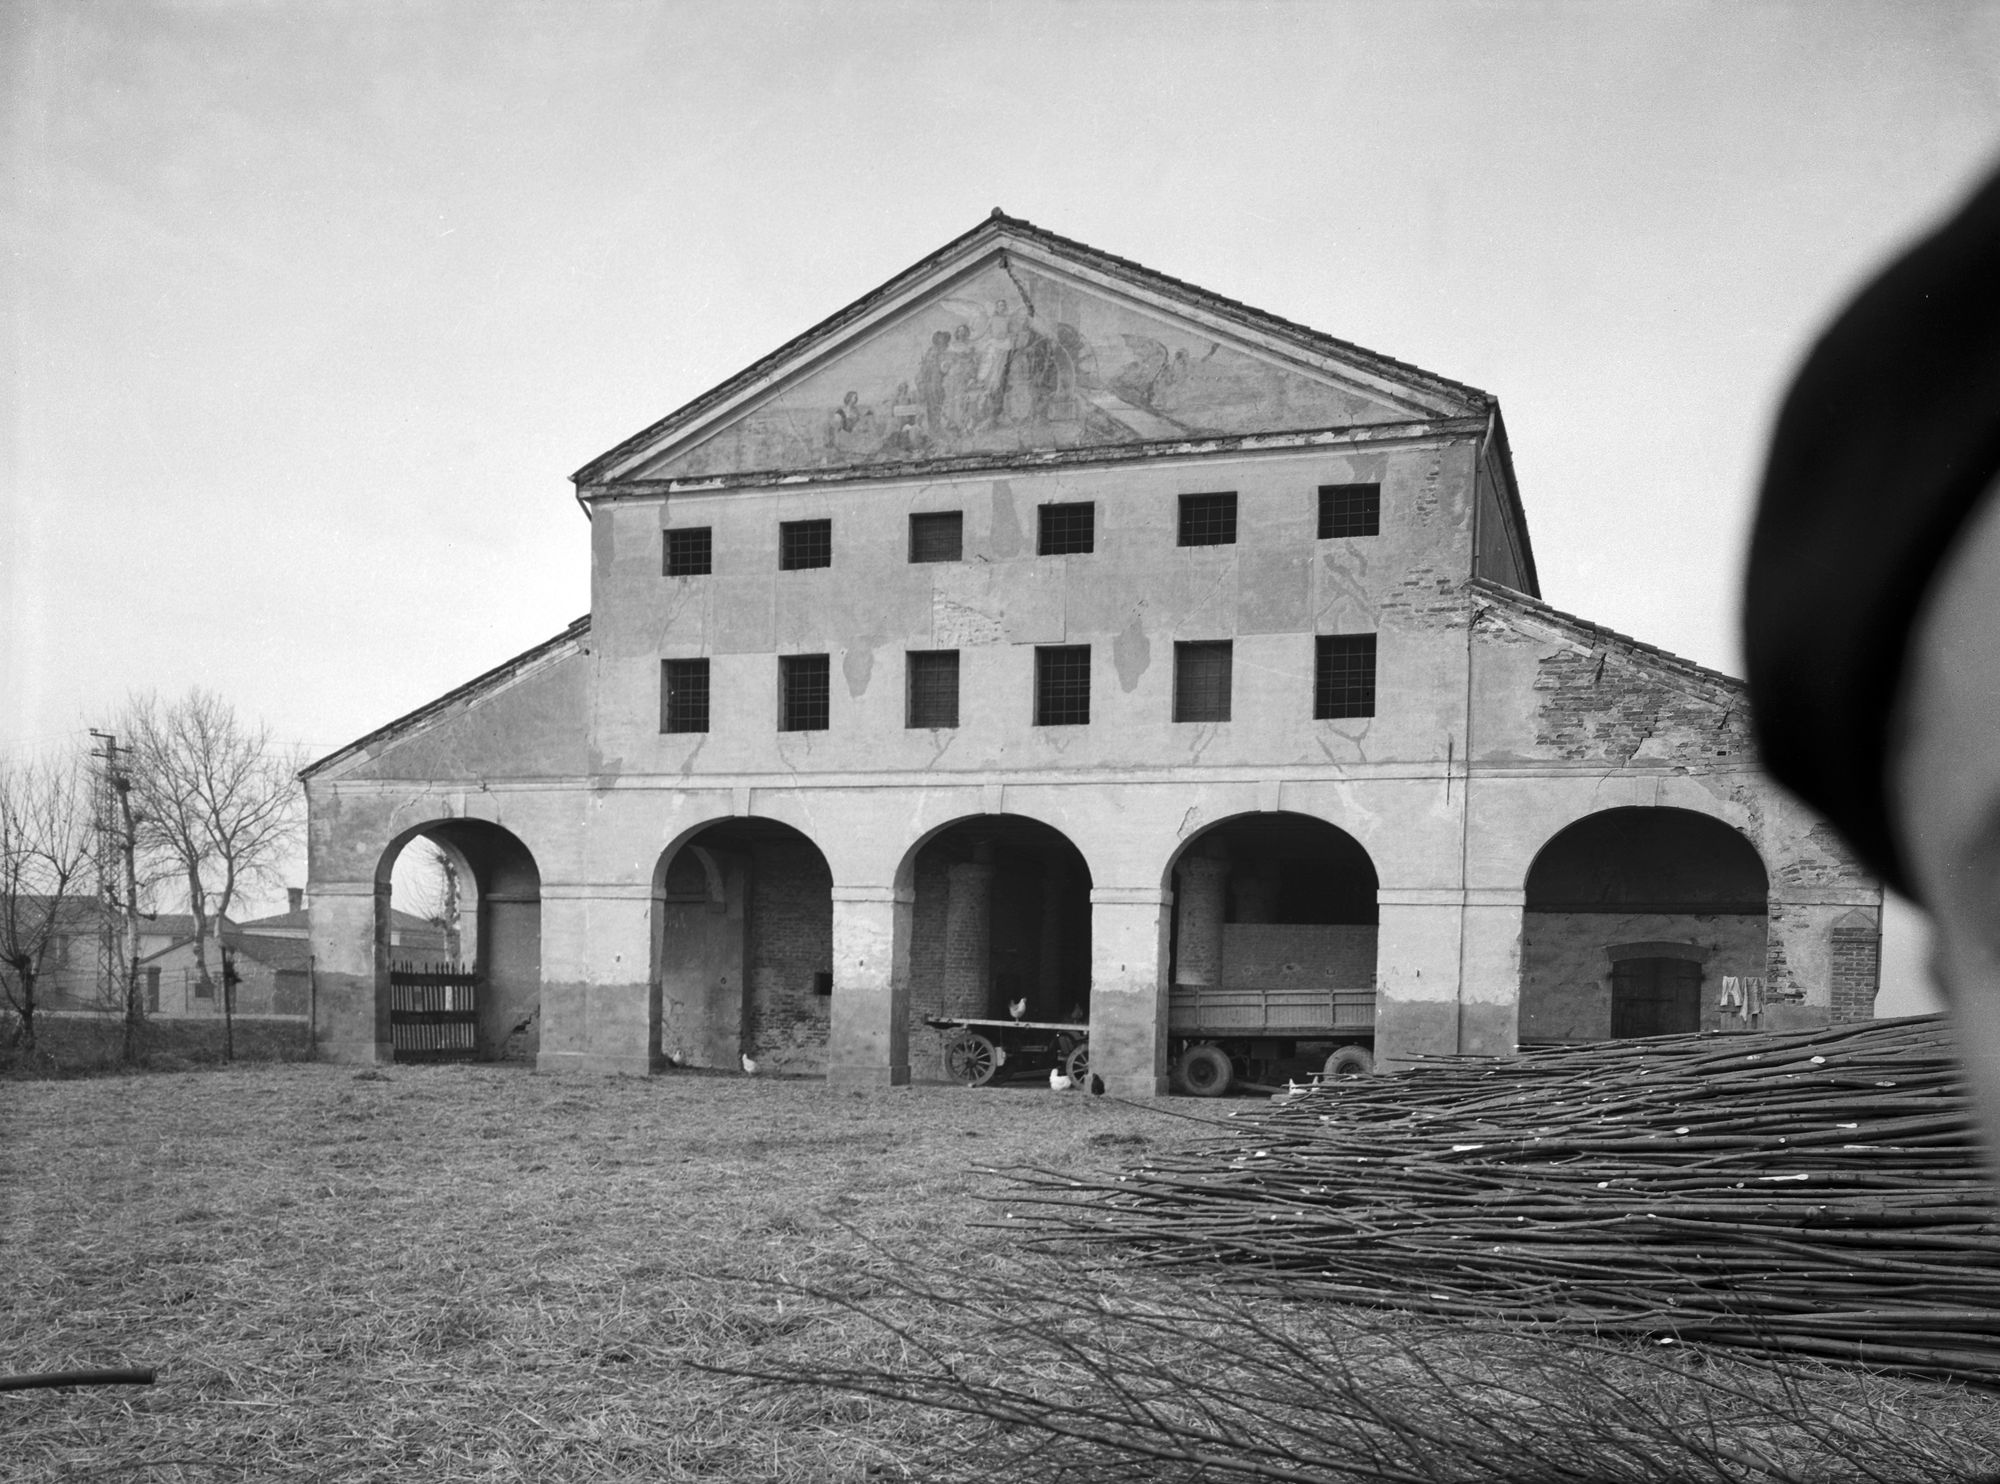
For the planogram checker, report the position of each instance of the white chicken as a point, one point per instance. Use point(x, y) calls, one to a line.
point(1058, 1082)
point(1018, 1008)
point(749, 1066)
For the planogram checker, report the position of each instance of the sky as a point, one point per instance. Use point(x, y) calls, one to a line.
point(314, 305)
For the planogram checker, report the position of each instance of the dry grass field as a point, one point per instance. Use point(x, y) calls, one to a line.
point(449, 1274)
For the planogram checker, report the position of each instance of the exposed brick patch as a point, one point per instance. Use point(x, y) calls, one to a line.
point(1856, 958)
point(1606, 705)
point(791, 941)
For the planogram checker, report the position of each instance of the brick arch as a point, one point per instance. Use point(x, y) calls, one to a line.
point(741, 946)
point(999, 911)
point(1615, 899)
point(1506, 857)
point(505, 905)
point(903, 876)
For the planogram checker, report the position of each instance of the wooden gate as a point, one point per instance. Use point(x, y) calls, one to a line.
point(433, 1012)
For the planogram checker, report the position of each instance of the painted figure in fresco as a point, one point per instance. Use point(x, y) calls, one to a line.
point(850, 427)
point(961, 383)
point(994, 348)
point(908, 437)
point(931, 382)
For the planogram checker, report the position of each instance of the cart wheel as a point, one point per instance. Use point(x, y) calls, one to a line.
point(970, 1058)
point(1206, 1071)
point(1076, 1066)
point(1348, 1061)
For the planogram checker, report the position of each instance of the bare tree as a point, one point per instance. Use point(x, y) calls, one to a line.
point(430, 888)
point(47, 860)
point(217, 803)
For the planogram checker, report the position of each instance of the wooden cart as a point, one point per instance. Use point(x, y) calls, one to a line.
point(977, 1052)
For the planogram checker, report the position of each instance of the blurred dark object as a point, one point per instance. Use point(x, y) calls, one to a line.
point(1890, 434)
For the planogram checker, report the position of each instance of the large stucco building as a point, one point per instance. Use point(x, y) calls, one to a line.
point(1041, 627)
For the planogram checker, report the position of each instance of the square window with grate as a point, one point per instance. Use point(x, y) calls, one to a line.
point(689, 552)
point(804, 543)
point(1062, 685)
point(1350, 510)
point(1066, 530)
point(1343, 676)
point(683, 695)
point(937, 538)
point(1208, 520)
point(803, 689)
point(1201, 681)
point(932, 687)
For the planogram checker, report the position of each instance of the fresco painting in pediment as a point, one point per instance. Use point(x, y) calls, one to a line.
point(1012, 360)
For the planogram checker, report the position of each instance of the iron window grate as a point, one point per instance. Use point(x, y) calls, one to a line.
point(683, 695)
point(1350, 510)
point(932, 688)
point(1202, 672)
point(937, 538)
point(689, 552)
point(1066, 530)
point(804, 543)
point(1062, 685)
point(1343, 676)
point(1208, 520)
point(803, 689)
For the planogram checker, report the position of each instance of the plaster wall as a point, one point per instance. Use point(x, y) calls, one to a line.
point(1130, 600)
point(1566, 977)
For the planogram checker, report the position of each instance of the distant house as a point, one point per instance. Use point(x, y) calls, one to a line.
point(69, 974)
point(410, 936)
point(270, 957)
point(272, 976)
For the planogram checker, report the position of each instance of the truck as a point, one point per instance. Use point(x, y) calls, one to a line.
point(1288, 1000)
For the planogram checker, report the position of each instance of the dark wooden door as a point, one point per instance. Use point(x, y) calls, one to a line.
point(1655, 997)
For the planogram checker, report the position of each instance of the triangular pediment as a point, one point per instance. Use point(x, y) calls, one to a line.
point(1012, 341)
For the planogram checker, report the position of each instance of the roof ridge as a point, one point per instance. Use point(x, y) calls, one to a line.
point(1537, 608)
point(483, 682)
point(1238, 306)
point(994, 224)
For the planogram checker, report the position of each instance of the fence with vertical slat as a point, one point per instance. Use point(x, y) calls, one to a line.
point(433, 1012)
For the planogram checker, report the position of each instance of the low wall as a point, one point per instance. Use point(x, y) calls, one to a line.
point(82, 1041)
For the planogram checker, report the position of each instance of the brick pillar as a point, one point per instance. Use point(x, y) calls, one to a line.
point(1128, 1005)
point(868, 1043)
point(1201, 897)
point(968, 941)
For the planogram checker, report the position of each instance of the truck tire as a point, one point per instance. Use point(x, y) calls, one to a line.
point(1348, 1061)
point(1206, 1071)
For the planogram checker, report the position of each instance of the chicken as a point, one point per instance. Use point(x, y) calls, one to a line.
point(749, 1066)
point(1096, 1085)
point(1058, 1082)
point(1018, 1008)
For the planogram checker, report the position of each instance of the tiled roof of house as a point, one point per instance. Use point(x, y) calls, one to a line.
point(278, 953)
point(180, 925)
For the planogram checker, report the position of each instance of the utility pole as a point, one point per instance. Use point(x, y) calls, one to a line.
point(120, 887)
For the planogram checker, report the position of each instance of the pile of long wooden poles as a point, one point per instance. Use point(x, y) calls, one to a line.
point(1816, 1194)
